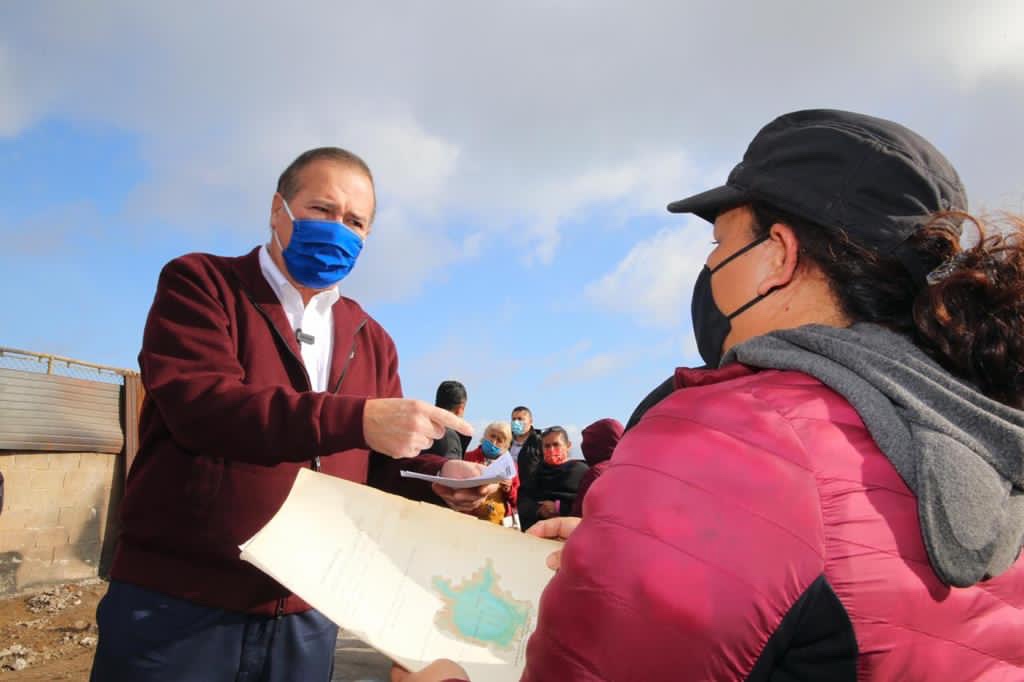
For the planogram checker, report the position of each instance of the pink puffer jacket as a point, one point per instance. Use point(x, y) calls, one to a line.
point(749, 528)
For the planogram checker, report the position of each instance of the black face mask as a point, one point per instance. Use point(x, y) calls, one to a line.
point(710, 325)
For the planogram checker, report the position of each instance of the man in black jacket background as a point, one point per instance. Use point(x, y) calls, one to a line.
point(527, 451)
point(451, 395)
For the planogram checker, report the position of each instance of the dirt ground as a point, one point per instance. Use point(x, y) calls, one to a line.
point(50, 634)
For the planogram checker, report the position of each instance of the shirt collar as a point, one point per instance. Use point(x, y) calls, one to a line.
point(287, 294)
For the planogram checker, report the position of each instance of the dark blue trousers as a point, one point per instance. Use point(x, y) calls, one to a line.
point(146, 636)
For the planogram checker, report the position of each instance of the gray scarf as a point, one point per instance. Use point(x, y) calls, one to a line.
point(961, 453)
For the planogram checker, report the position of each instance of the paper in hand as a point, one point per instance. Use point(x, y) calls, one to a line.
point(411, 579)
point(501, 469)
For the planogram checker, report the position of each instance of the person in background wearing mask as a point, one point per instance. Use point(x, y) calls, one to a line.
point(840, 494)
point(525, 449)
point(555, 483)
point(254, 368)
point(525, 442)
point(451, 395)
point(500, 506)
point(599, 441)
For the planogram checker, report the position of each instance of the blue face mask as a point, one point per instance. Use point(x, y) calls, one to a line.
point(518, 427)
point(491, 451)
point(321, 252)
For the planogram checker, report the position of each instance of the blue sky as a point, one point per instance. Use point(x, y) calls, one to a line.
point(524, 153)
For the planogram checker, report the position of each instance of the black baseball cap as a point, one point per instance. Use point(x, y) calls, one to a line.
point(873, 178)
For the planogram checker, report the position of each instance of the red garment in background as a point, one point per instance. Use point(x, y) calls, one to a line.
point(598, 443)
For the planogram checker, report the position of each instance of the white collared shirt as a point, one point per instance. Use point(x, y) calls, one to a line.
point(315, 319)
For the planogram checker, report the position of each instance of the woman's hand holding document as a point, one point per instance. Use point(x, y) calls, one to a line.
point(462, 498)
point(501, 469)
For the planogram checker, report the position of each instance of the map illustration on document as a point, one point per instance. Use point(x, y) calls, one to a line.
point(413, 580)
point(479, 612)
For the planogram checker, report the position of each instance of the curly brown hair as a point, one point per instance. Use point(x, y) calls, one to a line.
point(968, 314)
point(971, 318)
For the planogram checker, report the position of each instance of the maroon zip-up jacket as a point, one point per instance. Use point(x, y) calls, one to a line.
point(228, 420)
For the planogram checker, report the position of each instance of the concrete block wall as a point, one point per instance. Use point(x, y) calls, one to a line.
point(59, 516)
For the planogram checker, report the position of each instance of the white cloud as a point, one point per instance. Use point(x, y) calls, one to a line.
point(231, 177)
point(593, 367)
point(399, 258)
point(990, 40)
point(653, 283)
point(535, 112)
point(415, 165)
point(489, 124)
point(621, 190)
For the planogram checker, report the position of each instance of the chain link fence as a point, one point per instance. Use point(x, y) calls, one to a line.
point(45, 363)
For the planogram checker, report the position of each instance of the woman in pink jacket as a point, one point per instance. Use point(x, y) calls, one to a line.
point(840, 495)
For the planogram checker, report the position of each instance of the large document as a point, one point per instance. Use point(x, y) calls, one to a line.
point(415, 581)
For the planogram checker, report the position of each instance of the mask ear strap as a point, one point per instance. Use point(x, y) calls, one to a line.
point(284, 202)
point(287, 208)
point(733, 257)
point(751, 303)
point(739, 253)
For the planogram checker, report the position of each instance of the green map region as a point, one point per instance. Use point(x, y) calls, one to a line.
point(479, 612)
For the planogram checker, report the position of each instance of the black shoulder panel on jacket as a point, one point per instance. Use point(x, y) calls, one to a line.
point(814, 641)
point(663, 391)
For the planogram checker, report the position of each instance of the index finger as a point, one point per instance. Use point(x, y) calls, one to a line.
point(451, 420)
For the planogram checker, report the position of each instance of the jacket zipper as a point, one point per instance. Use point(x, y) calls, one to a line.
point(315, 463)
point(351, 355)
point(341, 377)
point(280, 608)
point(284, 341)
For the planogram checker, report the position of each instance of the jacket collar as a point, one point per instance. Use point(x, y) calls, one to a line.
point(686, 377)
point(349, 317)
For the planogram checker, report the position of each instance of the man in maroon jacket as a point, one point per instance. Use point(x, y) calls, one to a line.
point(256, 367)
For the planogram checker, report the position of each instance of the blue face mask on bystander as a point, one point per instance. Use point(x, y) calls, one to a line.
point(491, 451)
